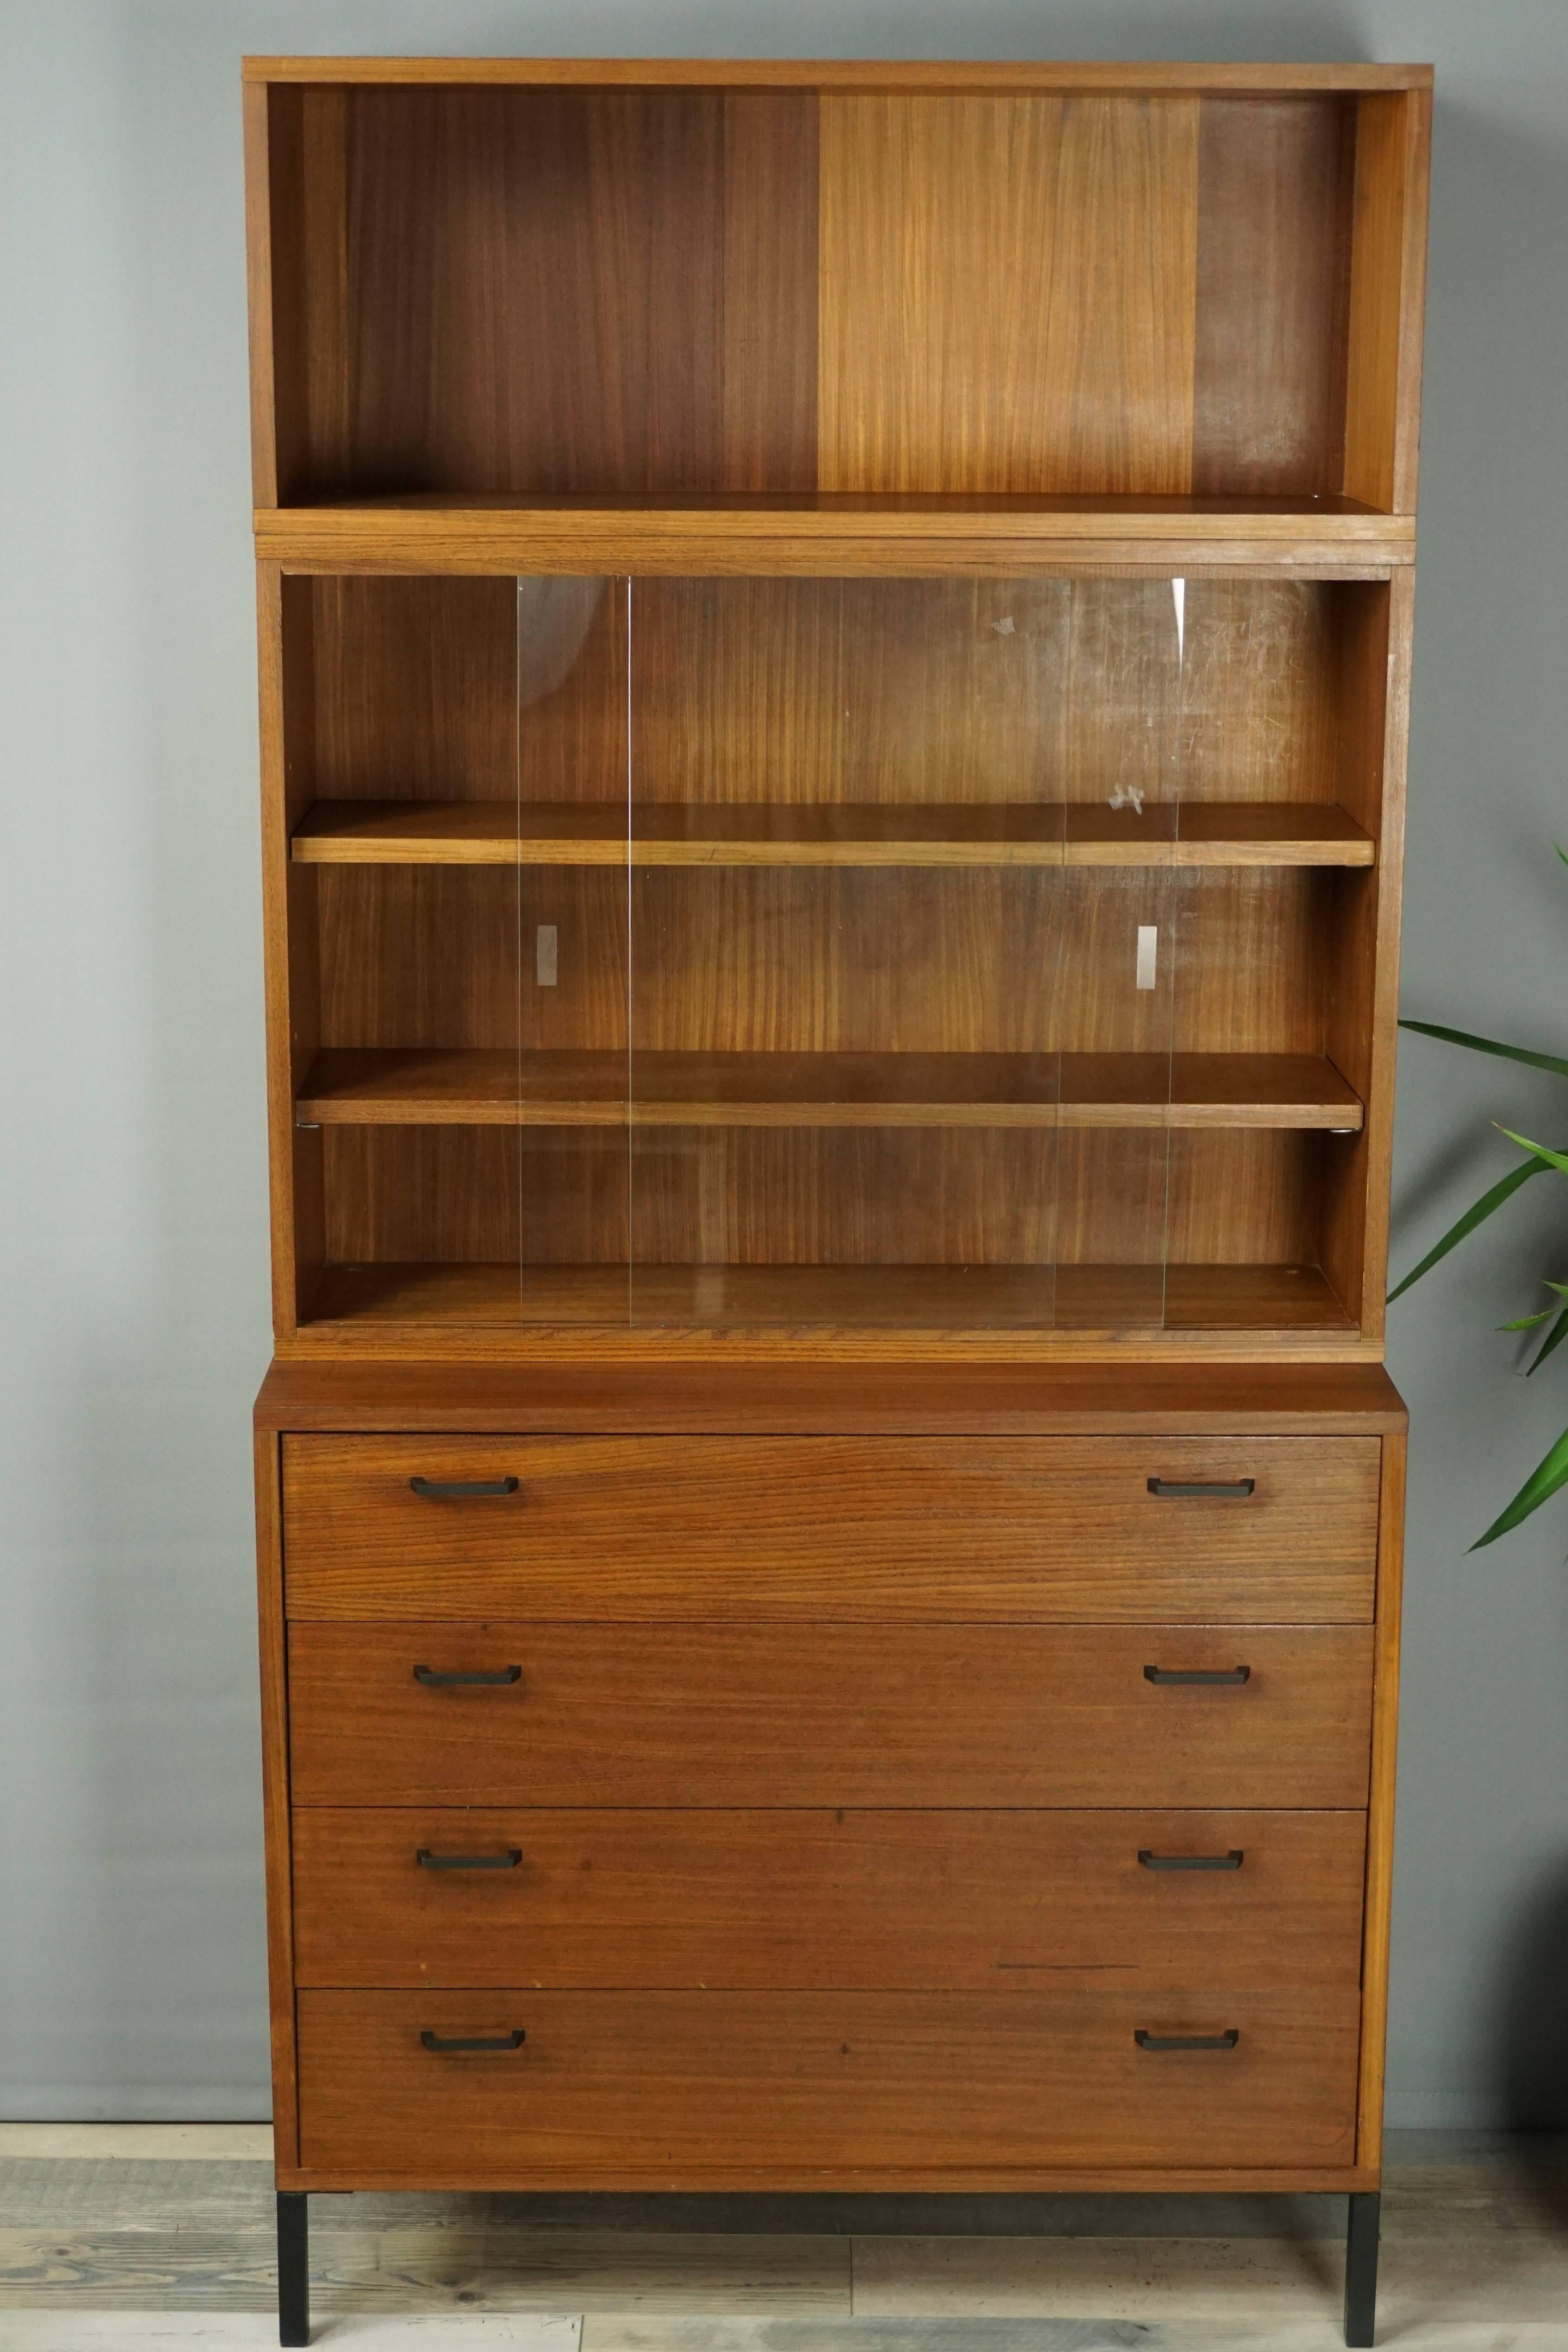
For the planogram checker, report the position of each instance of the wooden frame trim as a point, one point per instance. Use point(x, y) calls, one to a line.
point(1302, 2180)
point(846, 74)
point(275, 1797)
point(833, 1398)
point(1389, 883)
point(746, 537)
point(1380, 1807)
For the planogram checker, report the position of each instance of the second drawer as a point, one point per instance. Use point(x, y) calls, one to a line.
point(844, 1900)
point(508, 1713)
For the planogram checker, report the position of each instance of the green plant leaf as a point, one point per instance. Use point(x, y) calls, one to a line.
point(1548, 1158)
point(1561, 853)
point(1544, 1481)
point(1553, 1062)
point(1529, 1322)
point(1467, 1225)
point(1554, 1337)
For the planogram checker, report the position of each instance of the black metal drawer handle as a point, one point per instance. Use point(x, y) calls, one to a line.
point(512, 2041)
point(1187, 2041)
point(462, 1490)
point(434, 1678)
point(428, 1860)
point(1212, 1677)
point(1177, 1490)
point(1231, 1861)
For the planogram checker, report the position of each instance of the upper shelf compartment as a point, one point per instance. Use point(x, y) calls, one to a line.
point(1168, 288)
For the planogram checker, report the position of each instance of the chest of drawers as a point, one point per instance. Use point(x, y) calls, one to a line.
point(838, 1799)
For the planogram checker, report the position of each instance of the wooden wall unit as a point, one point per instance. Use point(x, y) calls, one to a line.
point(835, 653)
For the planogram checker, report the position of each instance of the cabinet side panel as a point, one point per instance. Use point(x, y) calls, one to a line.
point(275, 1799)
point(1380, 1817)
point(289, 921)
point(1362, 962)
point(1272, 281)
point(1388, 260)
point(274, 259)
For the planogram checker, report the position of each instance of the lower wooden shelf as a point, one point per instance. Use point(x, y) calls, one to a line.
point(930, 1298)
point(470, 1087)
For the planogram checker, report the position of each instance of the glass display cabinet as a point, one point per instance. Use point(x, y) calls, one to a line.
point(906, 954)
point(835, 649)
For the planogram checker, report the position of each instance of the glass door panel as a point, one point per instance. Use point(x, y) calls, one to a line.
point(1122, 775)
point(567, 1127)
point(846, 828)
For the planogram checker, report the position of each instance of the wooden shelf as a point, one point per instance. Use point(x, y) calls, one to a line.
point(1045, 832)
point(830, 532)
point(936, 1297)
point(388, 1087)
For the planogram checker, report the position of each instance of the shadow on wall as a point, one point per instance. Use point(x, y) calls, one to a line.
point(1533, 2026)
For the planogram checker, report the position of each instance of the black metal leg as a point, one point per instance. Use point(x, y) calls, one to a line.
point(1361, 2269)
point(294, 2268)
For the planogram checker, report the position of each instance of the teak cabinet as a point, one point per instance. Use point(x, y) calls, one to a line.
point(835, 650)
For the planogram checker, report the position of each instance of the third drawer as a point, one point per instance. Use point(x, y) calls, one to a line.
point(550, 1714)
point(824, 1899)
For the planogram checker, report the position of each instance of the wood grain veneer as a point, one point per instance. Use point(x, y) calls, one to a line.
point(785, 1900)
point(852, 73)
point(679, 2086)
point(828, 1399)
point(1326, 538)
point(502, 833)
point(750, 1528)
point(275, 1793)
point(646, 1713)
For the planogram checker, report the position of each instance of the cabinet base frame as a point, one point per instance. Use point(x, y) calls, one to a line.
point(1362, 2238)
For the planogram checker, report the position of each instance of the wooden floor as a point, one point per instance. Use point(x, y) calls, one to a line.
point(129, 2235)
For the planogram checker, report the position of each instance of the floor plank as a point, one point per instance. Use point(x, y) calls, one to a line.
point(189, 2331)
point(148, 2241)
point(145, 2143)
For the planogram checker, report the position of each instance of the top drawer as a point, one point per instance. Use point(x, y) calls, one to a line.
point(821, 1528)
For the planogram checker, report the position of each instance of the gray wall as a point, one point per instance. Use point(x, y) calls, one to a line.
point(132, 1154)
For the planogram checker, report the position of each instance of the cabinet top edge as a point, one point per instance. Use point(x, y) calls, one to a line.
point(864, 75)
point(912, 1400)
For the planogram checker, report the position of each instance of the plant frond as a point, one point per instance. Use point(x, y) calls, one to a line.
point(1554, 1338)
point(1544, 1152)
point(1472, 1217)
point(1553, 1062)
point(1544, 1481)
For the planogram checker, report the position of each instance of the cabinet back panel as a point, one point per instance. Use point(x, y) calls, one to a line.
point(981, 690)
point(415, 688)
point(998, 960)
point(658, 292)
point(480, 1195)
point(455, 689)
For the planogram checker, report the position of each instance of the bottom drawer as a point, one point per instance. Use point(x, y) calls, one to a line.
point(667, 2088)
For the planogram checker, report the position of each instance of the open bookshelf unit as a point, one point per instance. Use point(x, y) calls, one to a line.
point(835, 664)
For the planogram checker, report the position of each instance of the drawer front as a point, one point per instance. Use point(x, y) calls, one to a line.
point(816, 1528)
point(824, 1900)
point(832, 1715)
point(675, 2087)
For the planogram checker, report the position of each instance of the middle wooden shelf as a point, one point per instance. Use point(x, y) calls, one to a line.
point(667, 833)
point(474, 1087)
